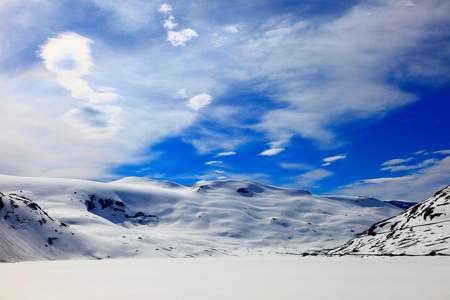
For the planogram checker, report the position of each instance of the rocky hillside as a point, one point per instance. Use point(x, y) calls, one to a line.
point(423, 229)
point(29, 232)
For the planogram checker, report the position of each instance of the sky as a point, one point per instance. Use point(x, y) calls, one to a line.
point(337, 97)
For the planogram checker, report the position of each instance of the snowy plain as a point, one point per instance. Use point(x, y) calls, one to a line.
point(250, 277)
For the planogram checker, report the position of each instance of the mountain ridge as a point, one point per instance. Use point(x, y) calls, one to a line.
point(146, 218)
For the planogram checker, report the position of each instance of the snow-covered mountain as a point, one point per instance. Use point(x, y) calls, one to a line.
point(27, 231)
point(423, 229)
point(42, 218)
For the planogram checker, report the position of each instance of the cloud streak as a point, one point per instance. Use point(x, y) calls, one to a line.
point(311, 178)
point(214, 163)
point(227, 153)
point(331, 159)
point(271, 152)
point(396, 161)
point(399, 168)
point(326, 74)
point(416, 186)
point(294, 166)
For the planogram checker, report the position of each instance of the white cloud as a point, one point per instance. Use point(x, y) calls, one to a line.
point(179, 38)
point(67, 138)
point(95, 122)
point(205, 140)
point(170, 23)
point(199, 101)
point(214, 163)
point(176, 38)
point(165, 8)
point(233, 28)
point(271, 151)
point(44, 146)
point(328, 73)
point(421, 152)
point(311, 178)
point(213, 175)
point(69, 53)
point(124, 16)
point(413, 187)
point(386, 179)
point(396, 161)
point(398, 168)
point(331, 159)
point(227, 153)
point(69, 57)
point(443, 152)
point(294, 166)
point(321, 73)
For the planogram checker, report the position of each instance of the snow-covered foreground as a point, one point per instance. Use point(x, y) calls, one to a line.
point(255, 277)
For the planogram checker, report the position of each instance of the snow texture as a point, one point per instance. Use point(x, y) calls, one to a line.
point(136, 217)
point(224, 278)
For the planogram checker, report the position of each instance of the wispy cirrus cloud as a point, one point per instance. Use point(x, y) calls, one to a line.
point(311, 178)
point(385, 179)
point(329, 73)
point(214, 163)
point(396, 161)
point(442, 152)
point(419, 165)
point(415, 186)
point(227, 153)
point(316, 74)
point(271, 152)
point(319, 74)
point(331, 159)
point(129, 17)
point(295, 166)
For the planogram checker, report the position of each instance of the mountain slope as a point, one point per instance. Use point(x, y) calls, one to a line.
point(138, 217)
point(29, 232)
point(424, 229)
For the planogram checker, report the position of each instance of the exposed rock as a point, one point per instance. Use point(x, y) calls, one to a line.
point(117, 212)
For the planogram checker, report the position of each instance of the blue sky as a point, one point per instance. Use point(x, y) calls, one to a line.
point(331, 96)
